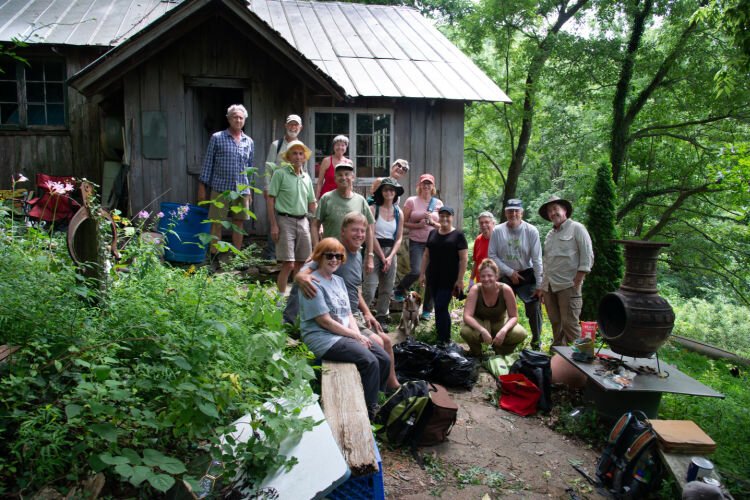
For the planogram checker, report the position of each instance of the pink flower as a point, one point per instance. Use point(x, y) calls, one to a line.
point(21, 178)
point(59, 188)
point(182, 211)
point(143, 214)
point(160, 215)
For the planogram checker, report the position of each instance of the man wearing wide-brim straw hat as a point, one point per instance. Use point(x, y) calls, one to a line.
point(291, 197)
point(568, 257)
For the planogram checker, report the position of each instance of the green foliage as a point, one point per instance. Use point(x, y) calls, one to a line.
point(144, 382)
point(607, 271)
point(727, 421)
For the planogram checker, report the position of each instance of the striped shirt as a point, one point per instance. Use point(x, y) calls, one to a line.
point(226, 161)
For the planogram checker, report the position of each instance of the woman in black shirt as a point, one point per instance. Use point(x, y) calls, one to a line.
point(443, 267)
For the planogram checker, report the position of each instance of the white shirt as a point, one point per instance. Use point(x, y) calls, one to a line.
point(517, 249)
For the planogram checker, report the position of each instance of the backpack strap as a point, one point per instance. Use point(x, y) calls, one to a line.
point(377, 211)
point(431, 205)
point(280, 143)
point(396, 212)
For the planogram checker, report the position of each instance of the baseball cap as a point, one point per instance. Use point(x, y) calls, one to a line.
point(294, 118)
point(447, 209)
point(514, 204)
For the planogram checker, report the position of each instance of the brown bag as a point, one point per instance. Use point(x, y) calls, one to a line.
point(441, 415)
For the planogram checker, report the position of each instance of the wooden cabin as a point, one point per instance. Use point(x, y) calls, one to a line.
point(113, 82)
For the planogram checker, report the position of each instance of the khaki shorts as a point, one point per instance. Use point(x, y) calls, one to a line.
point(217, 213)
point(294, 239)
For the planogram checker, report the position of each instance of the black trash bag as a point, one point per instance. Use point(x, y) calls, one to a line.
point(455, 370)
point(536, 366)
point(414, 359)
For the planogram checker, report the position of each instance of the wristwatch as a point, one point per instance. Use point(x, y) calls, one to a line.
point(371, 254)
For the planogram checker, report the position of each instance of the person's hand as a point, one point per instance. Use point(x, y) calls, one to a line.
point(577, 281)
point(458, 289)
point(387, 262)
point(422, 280)
point(307, 283)
point(539, 294)
point(372, 323)
point(369, 264)
point(201, 193)
point(500, 337)
point(516, 278)
point(486, 337)
point(362, 339)
point(275, 234)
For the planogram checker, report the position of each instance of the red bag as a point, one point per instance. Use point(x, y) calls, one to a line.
point(519, 394)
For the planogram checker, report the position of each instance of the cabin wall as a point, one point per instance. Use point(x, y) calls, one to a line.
point(69, 150)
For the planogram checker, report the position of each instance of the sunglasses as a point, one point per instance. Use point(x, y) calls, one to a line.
point(331, 256)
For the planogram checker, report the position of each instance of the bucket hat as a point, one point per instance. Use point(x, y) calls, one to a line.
point(296, 144)
point(560, 201)
point(388, 181)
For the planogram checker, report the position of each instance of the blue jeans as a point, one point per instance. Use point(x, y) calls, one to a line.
point(442, 298)
point(416, 251)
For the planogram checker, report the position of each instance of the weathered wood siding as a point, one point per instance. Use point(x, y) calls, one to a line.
point(73, 150)
point(214, 50)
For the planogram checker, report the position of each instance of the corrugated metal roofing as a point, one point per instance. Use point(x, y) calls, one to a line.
point(369, 50)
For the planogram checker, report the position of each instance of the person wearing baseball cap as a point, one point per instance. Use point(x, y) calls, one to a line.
point(274, 159)
point(517, 251)
point(420, 218)
point(568, 257)
point(443, 267)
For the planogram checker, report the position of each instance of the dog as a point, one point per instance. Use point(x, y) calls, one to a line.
point(410, 314)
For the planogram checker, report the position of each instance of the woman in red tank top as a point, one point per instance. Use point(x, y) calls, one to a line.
point(327, 169)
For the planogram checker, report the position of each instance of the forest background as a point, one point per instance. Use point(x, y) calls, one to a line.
point(653, 92)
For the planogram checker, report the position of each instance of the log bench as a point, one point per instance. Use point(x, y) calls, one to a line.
point(346, 413)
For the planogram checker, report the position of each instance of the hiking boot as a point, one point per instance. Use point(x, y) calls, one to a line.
point(425, 316)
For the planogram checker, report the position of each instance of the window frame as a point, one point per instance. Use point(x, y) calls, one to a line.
point(23, 100)
point(352, 151)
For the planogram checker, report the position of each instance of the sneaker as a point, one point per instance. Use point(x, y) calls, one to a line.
point(425, 316)
point(399, 296)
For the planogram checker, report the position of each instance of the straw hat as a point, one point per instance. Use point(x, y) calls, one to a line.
point(296, 144)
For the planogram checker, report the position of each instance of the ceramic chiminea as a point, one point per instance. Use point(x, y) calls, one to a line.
point(635, 320)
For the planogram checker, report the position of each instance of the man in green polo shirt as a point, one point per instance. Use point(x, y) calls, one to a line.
point(290, 198)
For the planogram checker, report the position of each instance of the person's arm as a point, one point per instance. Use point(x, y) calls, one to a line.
point(324, 165)
point(306, 281)
point(375, 185)
point(463, 259)
point(326, 322)
point(202, 196)
point(423, 267)
point(397, 243)
point(536, 259)
point(408, 208)
point(512, 310)
point(493, 253)
point(315, 232)
point(271, 205)
point(585, 255)
point(208, 170)
point(369, 254)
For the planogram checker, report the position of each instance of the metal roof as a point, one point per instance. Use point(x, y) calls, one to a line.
point(369, 50)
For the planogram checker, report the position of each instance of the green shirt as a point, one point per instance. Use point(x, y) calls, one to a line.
point(292, 192)
point(333, 208)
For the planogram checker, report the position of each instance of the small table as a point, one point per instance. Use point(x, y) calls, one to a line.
point(644, 393)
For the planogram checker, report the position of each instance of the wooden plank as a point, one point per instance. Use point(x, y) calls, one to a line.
point(6, 351)
point(346, 413)
point(678, 465)
point(173, 104)
point(132, 106)
point(452, 156)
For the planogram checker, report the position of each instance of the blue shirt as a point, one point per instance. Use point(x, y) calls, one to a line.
point(226, 161)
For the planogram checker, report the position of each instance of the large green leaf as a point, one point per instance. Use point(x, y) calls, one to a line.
point(165, 463)
point(161, 482)
point(106, 431)
point(108, 459)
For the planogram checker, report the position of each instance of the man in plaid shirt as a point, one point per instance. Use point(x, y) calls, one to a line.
point(229, 155)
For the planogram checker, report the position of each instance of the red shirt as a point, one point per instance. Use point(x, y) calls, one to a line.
point(481, 250)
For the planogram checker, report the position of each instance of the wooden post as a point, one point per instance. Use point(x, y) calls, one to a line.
point(346, 412)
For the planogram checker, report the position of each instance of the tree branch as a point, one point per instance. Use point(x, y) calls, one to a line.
point(685, 138)
point(726, 277)
point(489, 159)
point(667, 215)
point(666, 126)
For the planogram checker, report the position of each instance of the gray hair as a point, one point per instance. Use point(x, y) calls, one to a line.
point(341, 138)
point(234, 108)
point(486, 214)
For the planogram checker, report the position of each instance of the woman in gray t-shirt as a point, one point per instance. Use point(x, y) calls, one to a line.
point(330, 330)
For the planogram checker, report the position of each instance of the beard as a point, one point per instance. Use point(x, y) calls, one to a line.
point(292, 135)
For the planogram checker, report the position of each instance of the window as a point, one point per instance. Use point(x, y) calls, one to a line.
point(33, 94)
point(369, 134)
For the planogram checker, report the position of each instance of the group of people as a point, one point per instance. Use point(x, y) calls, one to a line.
point(317, 232)
point(508, 262)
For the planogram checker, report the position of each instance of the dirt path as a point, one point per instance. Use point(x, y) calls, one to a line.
point(491, 454)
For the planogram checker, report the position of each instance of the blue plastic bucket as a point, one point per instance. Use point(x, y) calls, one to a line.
point(183, 249)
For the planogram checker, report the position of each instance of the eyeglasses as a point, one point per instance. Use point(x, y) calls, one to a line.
point(402, 168)
point(331, 256)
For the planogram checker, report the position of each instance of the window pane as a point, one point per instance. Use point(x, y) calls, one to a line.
point(364, 124)
point(55, 114)
point(53, 71)
point(322, 122)
point(35, 92)
point(364, 145)
point(340, 124)
point(364, 166)
point(35, 71)
point(54, 92)
point(8, 114)
point(36, 114)
point(8, 92)
point(7, 70)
